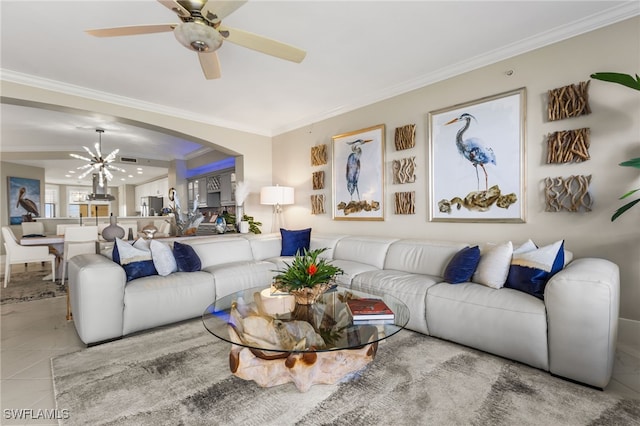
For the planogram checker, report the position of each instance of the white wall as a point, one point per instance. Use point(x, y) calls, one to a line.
point(615, 137)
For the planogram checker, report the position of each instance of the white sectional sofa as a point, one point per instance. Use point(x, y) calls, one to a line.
point(572, 333)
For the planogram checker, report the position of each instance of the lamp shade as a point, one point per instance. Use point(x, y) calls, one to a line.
point(274, 195)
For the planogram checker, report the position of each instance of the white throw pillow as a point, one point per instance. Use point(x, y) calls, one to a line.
point(163, 258)
point(493, 268)
point(527, 246)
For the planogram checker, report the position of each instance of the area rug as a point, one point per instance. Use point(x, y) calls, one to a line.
point(27, 286)
point(180, 376)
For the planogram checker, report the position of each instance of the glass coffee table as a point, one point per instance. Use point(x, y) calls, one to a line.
point(275, 341)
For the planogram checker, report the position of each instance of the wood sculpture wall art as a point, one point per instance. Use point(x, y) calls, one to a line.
point(568, 101)
point(404, 170)
point(405, 202)
point(405, 137)
point(568, 146)
point(317, 204)
point(319, 155)
point(318, 180)
point(568, 194)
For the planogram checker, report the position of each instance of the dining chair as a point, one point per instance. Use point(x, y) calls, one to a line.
point(15, 253)
point(77, 240)
point(32, 228)
point(61, 227)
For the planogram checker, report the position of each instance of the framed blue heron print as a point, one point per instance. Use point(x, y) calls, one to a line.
point(477, 160)
point(358, 174)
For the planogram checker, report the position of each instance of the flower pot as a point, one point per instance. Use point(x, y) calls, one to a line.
point(310, 295)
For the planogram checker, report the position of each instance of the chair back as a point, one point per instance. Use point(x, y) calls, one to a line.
point(31, 228)
point(60, 228)
point(79, 240)
point(9, 238)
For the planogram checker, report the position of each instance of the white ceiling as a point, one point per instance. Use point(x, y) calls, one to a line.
point(358, 52)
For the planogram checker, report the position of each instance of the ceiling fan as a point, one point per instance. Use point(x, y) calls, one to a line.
point(201, 30)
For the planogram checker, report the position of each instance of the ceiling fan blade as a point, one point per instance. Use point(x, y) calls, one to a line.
point(176, 7)
point(210, 65)
point(216, 10)
point(262, 44)
point(133, 30)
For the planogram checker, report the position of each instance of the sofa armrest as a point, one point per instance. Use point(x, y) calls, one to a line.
point(97, 297)
point(582, 304)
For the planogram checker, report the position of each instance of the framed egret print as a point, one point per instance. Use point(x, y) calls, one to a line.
point(358, 174)
point(477, 160)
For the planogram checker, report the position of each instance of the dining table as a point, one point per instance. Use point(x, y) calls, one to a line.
point(56, 242)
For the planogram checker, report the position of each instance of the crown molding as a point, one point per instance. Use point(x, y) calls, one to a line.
point(84, 92)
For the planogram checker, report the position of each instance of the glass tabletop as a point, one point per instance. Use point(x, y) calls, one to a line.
point(259, 319)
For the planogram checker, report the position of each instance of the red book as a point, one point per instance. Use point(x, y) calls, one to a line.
point(368, 309)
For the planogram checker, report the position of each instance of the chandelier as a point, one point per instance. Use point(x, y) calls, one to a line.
point(97, 164)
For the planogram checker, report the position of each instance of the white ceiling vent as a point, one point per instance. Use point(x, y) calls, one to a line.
point(128, 160)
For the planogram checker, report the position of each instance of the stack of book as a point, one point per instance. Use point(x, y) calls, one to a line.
point(370, 311)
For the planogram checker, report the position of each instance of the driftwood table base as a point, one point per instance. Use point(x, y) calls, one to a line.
point(303, 369)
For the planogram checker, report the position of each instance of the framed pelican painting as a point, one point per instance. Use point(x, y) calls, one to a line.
point(477, 160)
point(24, 199)
point(358, 174)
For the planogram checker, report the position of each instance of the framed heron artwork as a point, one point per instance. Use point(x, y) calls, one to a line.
point(477, 160)
point(24, 199)
point(358, 174)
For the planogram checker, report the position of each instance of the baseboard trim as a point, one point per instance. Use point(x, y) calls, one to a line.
point(629, 332)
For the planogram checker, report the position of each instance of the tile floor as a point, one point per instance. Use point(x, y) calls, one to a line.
point(34, 332)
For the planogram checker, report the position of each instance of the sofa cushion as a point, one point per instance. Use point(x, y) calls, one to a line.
point(135, 259)
point(325, 241)
point(236, 276)
point(411, 289)
point(462, 266)
point(530, 271)
point(163, 259)
point(265, 246)
point(504, 321)
point(351, 269)
point(366, 250)
point(427, 257)
point(187, 260)
point(157, 300)
point(294, 242)
point(222, 249)
point(493, 267)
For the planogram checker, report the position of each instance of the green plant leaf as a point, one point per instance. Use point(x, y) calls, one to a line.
point(615, 77)
point(623, 209)
point(633, 191)
point(634, 162)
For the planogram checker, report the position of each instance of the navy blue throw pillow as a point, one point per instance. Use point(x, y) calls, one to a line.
point(295, 241)
point(462, 265)
point(135, 259)
point(186, 258)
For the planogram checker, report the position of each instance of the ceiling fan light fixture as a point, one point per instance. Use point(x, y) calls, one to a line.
point(198, 37)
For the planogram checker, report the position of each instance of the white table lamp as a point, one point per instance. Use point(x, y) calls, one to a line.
point(277, 196)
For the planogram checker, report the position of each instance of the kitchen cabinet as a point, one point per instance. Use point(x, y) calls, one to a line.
point(202, 192)
point(213, 190)
point(191, 191)
point(227, 189)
